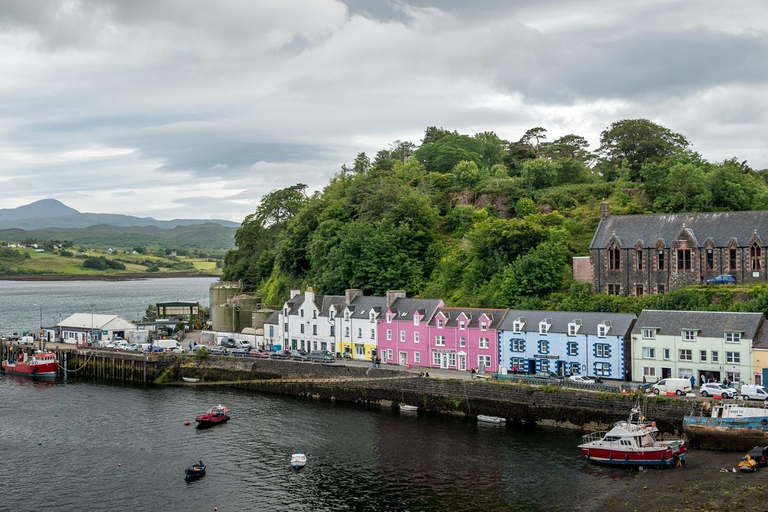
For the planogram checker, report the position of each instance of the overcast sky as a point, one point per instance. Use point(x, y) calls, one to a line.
point(197, 108)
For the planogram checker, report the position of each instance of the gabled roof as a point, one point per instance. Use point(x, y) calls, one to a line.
point(274, 318)
point(710, 324)
point(97, 322)
point(324, 303)
point(404, 308)
point(721, 227)
point(495, 315)
point(361, 306)
point(620, 322)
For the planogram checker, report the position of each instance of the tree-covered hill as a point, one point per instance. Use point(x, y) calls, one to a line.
point(478, 220)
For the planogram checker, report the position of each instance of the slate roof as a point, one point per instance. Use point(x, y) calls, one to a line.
point(361, 306)
point(322, 303)
point(274, 318)
point(761, 338)
point(710, 324)
point(404, 307)
point(720, 227)
point(496, 316)
point(620, 322)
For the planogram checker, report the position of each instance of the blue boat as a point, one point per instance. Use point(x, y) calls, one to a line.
point(728, 427)
point(194, 472)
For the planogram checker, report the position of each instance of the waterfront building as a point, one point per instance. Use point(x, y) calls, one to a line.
point(272, 330)
point(93, 328)
point(464, 338)
point(403, 332)
point(566, 343)
point(641, 254)
point(307, 321)
point(357, 332)
point(715, 344)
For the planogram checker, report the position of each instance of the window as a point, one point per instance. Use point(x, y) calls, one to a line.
point(660, 288)
point(603, 369)
point(389, 354)
point(639, 259)
point(314, 330)
point(602, 330)
point(733, 357)
point(271, 331)
point(416, 319)
point(703, 356)
point(613, 289)
point(301, 313)
point(373, 334)
point(754, 257)
point(435, 359)
point(439, 323)
point(484, 343)
point(484, 361)
point(544, 325)
point(649, 353)
point(389, 318)
point(517, 326)
point(715, 356)
point(573, 327)
point(686, 354)
point(483, 326)
point(575, 368)
point(649, 334)
point(667, 354)
point(451, 359)
point(614, 259)
point(360, 350)
point(602, 350)
point(462, 324)
point(301, 328)
point(416, 337)
point(416, 357)
point(683, 259)
point(389, 334)
point(462, 341)
point(731, 259)
point(346, 332)
point(519, 362)
point(639, 290)
point(543, 347)
point(314, 314)
point(517, 345)
point(333, 330)
point(732, 337)
point(402, 335)
point(440, 340)
point(689, 335)
point(332, 314)
point(649, 372)
point(285, 326)
point(359, 332)
point(660, 260)
point(573, 348)
point(544, 365)
point(710, 259)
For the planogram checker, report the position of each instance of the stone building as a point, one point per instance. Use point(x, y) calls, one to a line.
point(640, 254)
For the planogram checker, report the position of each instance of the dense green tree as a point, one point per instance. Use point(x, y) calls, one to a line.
point(443, 155)
point(539, 173)
point(279, 205)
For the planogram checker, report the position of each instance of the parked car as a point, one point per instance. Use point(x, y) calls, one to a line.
point(121, 345)
point(280, 354)
point(243, 344)
point(546, 376)
point(581, 379)
point(760, 455)
point(714, 388)
point(673, 385)
point(133, 347)
point(158, 349)
point(217, 350)
point(750, 392)
point(255, 352)
point(228, 343)
point(241, 352)
point(321, 356)
point(109, 344)
point(299, 355)
point(722, 279)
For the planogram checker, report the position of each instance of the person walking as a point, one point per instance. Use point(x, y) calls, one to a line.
point(693, 381)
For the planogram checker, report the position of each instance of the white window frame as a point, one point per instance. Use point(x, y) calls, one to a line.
point(573, 328)
point(602, 330)
point(402, 336)
point(602, 350)
point(649, 352)
point(544, 327)
point(733, 358)
point(689, 335)
point(462, 325)
point(649, 334)
point(417, 357)
point(416, 319)
point(649, 372)
point(483, 326)
point(685, 352)
point(715, 356)
point(484, 360)
point(517, 326)
point(439, 323)
point(733, 337)
point(415, 336)
point(485, 343)
point(439, 340)
point(462, 341)
point(389, 334)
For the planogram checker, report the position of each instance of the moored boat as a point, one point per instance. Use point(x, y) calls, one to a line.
point(728, 427)
point(216, 416)
point(190, 379)
point(632, 443)
point(298, 460)
point(411, 408)
point(38, 364)
point(491, 419)
point(194, 472)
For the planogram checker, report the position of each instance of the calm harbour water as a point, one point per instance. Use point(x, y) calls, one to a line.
point(77, 446)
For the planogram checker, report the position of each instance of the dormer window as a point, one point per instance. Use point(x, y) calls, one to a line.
point(285, 312)
point(462, 324)
point(389, 318)
point(301, 313)
point(483, 326)
point(314, 314)
point(573, 327)
point(372, 316)
point(517, 325)
point(416, 319)
point(347, 314)
point(544, 325)
point(439, 323)
point(332, 313)
point(602, 329)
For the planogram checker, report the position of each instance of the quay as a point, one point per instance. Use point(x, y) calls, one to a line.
point(519, 400)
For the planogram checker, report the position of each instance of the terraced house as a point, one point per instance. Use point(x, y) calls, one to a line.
point(356, 324)
point(404, 332)
point(640, 254)
point(465, 338)
point(717, 345)
point(566, 343)
point(306, 321)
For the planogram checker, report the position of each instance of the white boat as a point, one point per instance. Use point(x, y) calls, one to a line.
point(190, 379)
point(490, 419)
point(411, 408)
point(298, 460)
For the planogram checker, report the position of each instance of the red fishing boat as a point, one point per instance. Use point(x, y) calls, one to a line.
point(217, 415)
point(38, 364)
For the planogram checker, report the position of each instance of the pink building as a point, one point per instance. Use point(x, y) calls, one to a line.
point(465, 338)
point(403, 331)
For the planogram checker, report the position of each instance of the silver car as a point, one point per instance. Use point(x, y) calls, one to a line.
point(715, 388)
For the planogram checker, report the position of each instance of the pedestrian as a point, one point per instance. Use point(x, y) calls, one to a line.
point(644, 381)
point(514, 368)
point(693, 381)
point(190, 346)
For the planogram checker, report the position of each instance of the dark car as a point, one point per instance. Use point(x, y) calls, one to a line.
point(280, 354)
point(299, 355)
point(546, 376)
point(321, 356)
point(760, 455)
point(722, 279)
point(228, 343)
point(241, 352)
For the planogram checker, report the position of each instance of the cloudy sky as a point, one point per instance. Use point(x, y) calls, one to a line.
point(197, 108)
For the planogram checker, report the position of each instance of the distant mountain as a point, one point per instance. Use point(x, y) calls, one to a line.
point(50, 213)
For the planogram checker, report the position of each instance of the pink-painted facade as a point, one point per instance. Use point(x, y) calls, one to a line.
point(465, 338)
point(403, 331)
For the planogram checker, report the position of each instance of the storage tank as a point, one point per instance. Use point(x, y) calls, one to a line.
point(221, 295)
point(246, 304)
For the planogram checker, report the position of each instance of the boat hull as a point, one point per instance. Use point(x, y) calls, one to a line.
point(191, 474)
point(662, 457)
point(726, 433)
point(36, 370)
point(210, 422)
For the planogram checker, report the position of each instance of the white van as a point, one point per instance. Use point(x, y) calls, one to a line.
point(749, 392)
point(676, 386)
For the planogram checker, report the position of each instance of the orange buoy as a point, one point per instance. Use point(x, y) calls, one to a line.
point(186, 422)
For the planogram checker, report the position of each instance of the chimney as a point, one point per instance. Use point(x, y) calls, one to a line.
point(294, 293)
point(309, 294)
point(604, 210)
point(393, 295)
point(351, 293)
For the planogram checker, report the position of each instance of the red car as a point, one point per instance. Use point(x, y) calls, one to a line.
point(258, 353)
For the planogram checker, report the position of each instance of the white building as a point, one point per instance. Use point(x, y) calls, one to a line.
point(308, 321)
point(92, 327)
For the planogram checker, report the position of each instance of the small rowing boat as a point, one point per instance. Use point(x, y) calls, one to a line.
point(298, 460)
point(190, 379)
point(194, 472)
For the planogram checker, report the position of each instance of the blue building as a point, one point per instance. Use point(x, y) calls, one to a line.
point(567, 343)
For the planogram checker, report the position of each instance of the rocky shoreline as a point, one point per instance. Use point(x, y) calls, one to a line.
point(104, 277)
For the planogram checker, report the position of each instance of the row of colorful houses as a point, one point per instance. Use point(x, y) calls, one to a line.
point(425, 333)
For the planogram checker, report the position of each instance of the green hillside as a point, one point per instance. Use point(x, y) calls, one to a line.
point(481, 221)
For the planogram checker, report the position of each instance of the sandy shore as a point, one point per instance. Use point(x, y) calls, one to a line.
point(700, 485)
